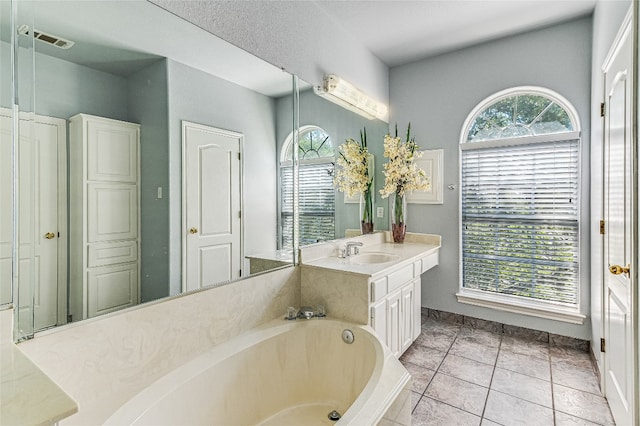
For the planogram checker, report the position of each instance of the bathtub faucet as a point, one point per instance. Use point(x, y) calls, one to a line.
point(306, 312)
point(352, 244)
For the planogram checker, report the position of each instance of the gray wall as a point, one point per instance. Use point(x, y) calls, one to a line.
point(296, 35)
point(437, 94)
point(607, 18)
point(342, 124)
point(201, 98)
point(148, 106)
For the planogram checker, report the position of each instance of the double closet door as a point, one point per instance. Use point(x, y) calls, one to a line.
point(41, 219)
point(104, 215)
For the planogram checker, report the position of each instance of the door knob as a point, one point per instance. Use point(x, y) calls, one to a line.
point(617, 269)
point(193, 230)
point(49, 235)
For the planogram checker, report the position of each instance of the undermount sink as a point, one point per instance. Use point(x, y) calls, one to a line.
point(371, 258)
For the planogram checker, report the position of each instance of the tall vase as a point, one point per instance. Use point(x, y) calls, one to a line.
point(398, 217)
point(366, 212)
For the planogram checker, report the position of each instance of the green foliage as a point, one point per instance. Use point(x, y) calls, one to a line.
point(519, 115)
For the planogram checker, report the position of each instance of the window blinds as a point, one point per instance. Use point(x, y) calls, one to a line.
point(316, 200)
point(520, 220)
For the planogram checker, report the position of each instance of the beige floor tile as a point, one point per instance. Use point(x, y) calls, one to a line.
point(581, 404)
point(476, 351)
point(464, 395)
point(423, 356)
point(521, 386)
point(421, 376)
point(509, 410)
point(575, 377)
point(524, 364)
point(467, 369)
point(435, 413)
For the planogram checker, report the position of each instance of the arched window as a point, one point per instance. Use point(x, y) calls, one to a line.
point(520, 204)
point(316, 195)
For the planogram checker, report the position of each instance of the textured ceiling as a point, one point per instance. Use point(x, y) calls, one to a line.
point(399, 31)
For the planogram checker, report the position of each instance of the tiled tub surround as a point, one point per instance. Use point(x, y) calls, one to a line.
point(285, 372)
point(103, 362)
point(500, 375)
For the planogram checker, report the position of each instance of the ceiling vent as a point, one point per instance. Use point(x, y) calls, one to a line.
point(47, 38)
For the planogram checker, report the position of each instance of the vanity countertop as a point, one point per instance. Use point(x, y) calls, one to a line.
point(28, 395)
point(414, 247)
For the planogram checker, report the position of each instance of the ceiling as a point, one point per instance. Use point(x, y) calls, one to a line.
point(400, 31)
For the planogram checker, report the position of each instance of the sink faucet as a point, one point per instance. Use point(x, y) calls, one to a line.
point(352, 244)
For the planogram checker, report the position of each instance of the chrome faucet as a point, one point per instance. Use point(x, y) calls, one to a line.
point(352, 244)
point(306, 312)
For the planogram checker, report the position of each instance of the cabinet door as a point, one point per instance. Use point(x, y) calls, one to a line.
point(379, 319)
point(407, 311)
point(394, 321)
point(112, 152)
point(111, 288)
point(112, 212)
point(417, 307)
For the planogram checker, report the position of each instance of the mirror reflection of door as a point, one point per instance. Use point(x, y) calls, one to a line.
point(618, 322)
point(42, 211)
point(211, 216)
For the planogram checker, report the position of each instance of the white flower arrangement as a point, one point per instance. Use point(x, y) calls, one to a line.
point(401, 173)
point(352, 174)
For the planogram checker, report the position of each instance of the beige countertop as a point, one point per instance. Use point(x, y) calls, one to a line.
point(27, 395)
point(414, 247)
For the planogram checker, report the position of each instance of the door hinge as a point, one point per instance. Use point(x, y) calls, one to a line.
point(602, 109)
point(602, 345)
point(602, 227)
point(69, 318)
point(239, 214)
point(238, 156)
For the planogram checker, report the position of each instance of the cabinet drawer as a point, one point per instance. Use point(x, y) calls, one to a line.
point(101, 254)
point(399, 277)
point(429, 262)
point(378, 288)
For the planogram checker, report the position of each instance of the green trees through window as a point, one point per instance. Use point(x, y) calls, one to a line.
point(520, 198)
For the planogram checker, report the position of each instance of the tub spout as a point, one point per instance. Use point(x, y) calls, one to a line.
point(306, 312)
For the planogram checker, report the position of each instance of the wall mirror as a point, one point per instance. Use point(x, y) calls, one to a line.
point(324, 212)
point(148, 159)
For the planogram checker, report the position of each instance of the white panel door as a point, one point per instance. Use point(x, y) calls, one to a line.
point(212, 198)
point(42, 219)
point(618, 357)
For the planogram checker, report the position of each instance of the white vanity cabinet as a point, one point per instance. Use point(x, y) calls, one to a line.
point(104, 215)
point(395, 302)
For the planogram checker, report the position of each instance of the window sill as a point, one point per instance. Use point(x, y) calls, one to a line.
point(519, 306)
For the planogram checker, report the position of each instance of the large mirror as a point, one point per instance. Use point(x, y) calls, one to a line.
point(148, 159)
point(137, 75)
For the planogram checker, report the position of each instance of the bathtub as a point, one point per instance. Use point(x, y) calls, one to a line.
point(282, 373)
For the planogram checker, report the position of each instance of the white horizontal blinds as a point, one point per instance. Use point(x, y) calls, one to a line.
point(520, 220)
point(316, 200)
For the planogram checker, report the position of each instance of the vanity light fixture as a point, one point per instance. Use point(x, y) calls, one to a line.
point(348, 96)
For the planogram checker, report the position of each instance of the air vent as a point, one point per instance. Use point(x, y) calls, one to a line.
point(46, 38)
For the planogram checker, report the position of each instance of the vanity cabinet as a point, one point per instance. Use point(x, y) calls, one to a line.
point(104, 215)
point(395, 304)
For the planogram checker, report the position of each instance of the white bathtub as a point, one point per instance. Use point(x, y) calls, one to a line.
point(284, 373)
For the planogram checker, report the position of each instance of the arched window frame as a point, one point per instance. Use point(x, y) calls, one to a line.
point(324, 221)
point(551, 310)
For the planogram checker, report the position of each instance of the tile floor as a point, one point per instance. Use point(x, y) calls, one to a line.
point(469, 376)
